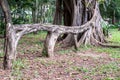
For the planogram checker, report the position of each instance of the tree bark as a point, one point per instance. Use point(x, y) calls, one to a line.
point(11, 37)
point(50, 44)
point(79, 12)
point(58, 13)
point(9, 48)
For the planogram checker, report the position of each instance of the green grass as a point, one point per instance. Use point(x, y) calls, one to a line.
point(33, 38)
point(107, 69)
point(47, 63)
point(115, 36)
point(1, 47)
point(18, 65)
point(64, 51)
point(102, 69)
point(1, 54)
point(33, 44)
point(39, 35)
point(80, 69)
point(113, 52)
point(85, 47)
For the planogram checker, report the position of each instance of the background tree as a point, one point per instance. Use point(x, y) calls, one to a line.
point(77, 13)
point(110, 9)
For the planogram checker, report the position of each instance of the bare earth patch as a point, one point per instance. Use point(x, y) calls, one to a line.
point(66, 65)
point(88, 65)
point(93, 54)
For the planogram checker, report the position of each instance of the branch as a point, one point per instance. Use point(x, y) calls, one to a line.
point(28, 28)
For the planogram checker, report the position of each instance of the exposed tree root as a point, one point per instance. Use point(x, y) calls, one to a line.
point(108, 45)
point(93, 36)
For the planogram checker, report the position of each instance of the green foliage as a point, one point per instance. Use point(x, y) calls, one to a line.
point(32, 11)
point(105, 27)
point(110, 9)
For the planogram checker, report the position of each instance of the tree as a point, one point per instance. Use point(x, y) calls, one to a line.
point(8, 39)
point(77, 13)
point(111, 9)
point(15, 32)
point(82, 17)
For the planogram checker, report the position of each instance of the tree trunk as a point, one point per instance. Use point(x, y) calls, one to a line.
point(79, 12)
point(10, 38)
point(50, 44)
point(113, 18)
point(58, 13)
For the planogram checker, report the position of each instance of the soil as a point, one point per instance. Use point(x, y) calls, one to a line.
point(67, 64)
point(83, 65)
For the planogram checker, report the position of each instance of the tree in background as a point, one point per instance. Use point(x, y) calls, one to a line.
point(31, 11)
point(110, 9)
point(77, 13)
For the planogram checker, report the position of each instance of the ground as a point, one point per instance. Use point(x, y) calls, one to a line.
point(88, 63)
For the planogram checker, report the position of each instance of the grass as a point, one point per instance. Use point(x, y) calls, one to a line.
point(106, 70)
point(1, 47)
point(115, 36)
point(19, 64)
point(40, 34)
point(33, 38)
point(67, 51)
point(1, 54)
point(16, 73)
point(113, 52)
point(47, 63)
point(80, 69)
point(84, 48)
point(32, 42)
point(103, 69)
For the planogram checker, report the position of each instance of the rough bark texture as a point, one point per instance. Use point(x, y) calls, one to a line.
point(58, 12)
point(50, 43)
point(79, 12)
point(9, 41)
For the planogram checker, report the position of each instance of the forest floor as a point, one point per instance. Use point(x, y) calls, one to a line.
point(88, 63)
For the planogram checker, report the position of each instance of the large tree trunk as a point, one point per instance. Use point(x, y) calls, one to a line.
point(11, 40)
point(58, 13)
point(79, 12)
